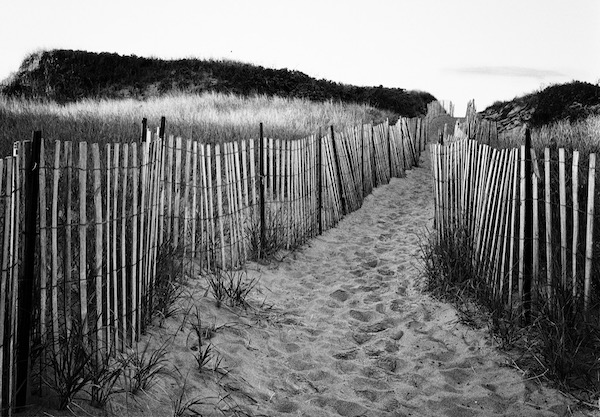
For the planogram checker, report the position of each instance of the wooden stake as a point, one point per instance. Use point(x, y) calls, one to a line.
point(589, 238)
point(563, 216)
point(575, 188)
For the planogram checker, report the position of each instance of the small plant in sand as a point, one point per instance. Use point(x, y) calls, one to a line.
point(186, 406)
point(169, 282)
point(143, 366)
point(231, 286)
point(105, 371)
point(274, 234)
point(204, 350)
point(69, 363)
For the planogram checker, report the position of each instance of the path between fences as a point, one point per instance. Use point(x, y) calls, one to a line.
point(350, 334)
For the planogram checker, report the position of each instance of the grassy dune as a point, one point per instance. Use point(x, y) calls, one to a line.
point(208, 117)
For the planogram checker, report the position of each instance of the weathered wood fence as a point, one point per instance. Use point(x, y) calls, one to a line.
point(106, 212)
point(531, 217)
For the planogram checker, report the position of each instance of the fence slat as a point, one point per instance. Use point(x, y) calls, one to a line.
point(548, 216)
point(83, 237)
point(98, 246)
point(589, 239)
point(134, 257)
point(575, 244)
point(563, 216)
point(6, 166)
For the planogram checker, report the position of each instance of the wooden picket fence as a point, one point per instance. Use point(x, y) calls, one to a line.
point(107, 211)
point(530, 215)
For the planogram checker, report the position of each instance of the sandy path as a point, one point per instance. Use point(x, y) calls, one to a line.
point(344, 331)
point(349, 334)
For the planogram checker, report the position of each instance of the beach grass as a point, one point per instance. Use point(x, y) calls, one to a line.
point(207, 117)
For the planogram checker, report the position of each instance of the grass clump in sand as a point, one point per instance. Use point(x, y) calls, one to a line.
point(69, 364)
point(204, 350)
point(169, 282)
point(144, 365)
point(231, 287)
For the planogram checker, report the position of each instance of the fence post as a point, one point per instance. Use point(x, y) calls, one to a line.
point(319, 164)
point(441, 137)
point(261, 164)
point(25, 289)
point(528, 243)
point(144, 129)
point(161, 132)
point(339, 171)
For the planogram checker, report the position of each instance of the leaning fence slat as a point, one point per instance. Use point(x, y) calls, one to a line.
point(109, 264)
point(98, 245)
point(513, 219)
point(140, 234)
point(575, 246)
point(563, 216)
point(287, 212)
point(43, 231)
point(548, 216)
point(177, 191)
point(5, 166)
point(168, 186)
point(219, 191)
point(15, 225)
point(240, 211)
point(157, 159)
point(511, 190)
point(211, 213)
point(185, 228)
point(207, 219)
point(83, 236)
point(589, 239)
point(135, 266)
point(536, 222)
point(196, 208)
point(123, 239)
point(113, 249)
point(227, 191)
point(68, 262)
point(54, 241)
point(522, 225)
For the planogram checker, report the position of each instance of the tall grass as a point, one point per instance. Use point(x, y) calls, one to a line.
point(582, 135)
point(208, 117)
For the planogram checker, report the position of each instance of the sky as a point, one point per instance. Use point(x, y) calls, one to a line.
point(486, 50)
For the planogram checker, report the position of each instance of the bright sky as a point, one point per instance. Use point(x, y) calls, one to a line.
point(457, 50)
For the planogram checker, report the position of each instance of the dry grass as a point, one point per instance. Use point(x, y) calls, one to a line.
point(209, 118)
point(583, 136)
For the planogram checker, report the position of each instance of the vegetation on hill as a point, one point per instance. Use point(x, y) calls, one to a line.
point(560, 102)
point(67, 76)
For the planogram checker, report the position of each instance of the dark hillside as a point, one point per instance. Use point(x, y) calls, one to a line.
point(66, 75)
point(571, 101)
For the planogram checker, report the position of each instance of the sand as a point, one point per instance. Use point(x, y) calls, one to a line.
point(340, 328)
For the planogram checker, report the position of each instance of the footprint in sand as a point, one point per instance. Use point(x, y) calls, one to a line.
point(363, 316)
